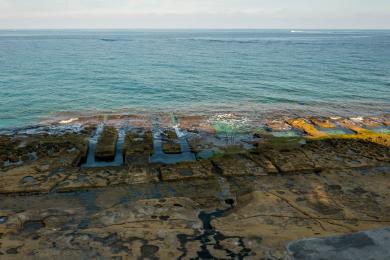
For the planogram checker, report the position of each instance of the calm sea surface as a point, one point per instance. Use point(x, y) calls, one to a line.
point(43, 73)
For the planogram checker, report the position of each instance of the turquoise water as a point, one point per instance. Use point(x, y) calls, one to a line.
point(43, 73)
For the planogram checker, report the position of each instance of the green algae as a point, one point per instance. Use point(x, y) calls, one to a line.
point(285, 134)
point(381, 130)
point(333, 131)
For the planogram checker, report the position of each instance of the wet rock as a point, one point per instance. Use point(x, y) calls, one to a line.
point(371, 122)
point(171, 143)
point(373, 244)
point(169, 135)
point(27, 179)
point(186, 170)
point(264, 162)
point(106, 145)
point(277, 125)
point(238, 165)
point(148, 251)
point(364, 134)
point(12, 251)
point(32, 226)
point(349, 124)
point(320, 201)
point(137, 175)
point(196, 124)
point(83, 181)
point(137, 148)
point(3, 219)
point(301, 123)
point(322, 122)
point(291, 161)
point(170, 147)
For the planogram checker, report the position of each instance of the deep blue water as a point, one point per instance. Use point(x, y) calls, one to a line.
point(44, 72)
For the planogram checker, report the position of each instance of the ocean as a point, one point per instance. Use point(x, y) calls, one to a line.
point(46, 73)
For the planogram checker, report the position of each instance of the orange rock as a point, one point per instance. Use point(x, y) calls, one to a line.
point(322, 122)
point(351, 125)
point(301, 123)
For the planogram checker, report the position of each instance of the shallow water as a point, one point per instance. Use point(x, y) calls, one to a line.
point(46, 72)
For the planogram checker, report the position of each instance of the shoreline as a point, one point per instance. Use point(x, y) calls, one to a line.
point(267, 110)
point(174, 186)
point(259, 118)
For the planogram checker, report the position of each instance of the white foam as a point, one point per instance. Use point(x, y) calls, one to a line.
point(357, 119)
point(69, 120)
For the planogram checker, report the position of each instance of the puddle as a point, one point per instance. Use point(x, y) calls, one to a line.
point(3, 219)
point(32, 225)
point(33, 156)
point(159, 156)
point(290, 133)
point(206, 154)
point(8, 163)
point(148, 251)
point(336, 131)
point(211, 238)
point(381, 130)
point(88, 200)
point(28, 180)
point(55, 172)
point(118, 160)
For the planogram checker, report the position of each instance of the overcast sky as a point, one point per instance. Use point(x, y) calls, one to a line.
point(194, 14)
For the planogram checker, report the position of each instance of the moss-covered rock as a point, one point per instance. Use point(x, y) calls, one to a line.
point(106, 145)
point(138, 147)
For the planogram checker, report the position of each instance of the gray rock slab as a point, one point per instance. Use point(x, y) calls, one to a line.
point(372, 244)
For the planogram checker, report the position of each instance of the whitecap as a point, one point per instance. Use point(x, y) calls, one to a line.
point(357, 119)
point(69, 120)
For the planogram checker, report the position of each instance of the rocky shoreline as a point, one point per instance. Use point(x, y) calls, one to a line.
point(222, 186)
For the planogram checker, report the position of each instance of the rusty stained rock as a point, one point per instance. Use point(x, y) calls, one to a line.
point(308, 128)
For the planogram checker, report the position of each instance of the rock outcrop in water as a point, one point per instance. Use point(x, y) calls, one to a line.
point(247, 195)
point(106, 145)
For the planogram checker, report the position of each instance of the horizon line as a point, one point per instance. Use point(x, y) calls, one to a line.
point(190, 28)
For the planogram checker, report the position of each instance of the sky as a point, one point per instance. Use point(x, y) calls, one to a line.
point(300, 14)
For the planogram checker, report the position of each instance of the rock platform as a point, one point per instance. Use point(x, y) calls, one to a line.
point(245, 193)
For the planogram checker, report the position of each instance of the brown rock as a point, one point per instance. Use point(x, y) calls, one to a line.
point(291, 161)
point(137, 148)
point(265, 163)
point(371, 122)
point(277, 125)
point(322, 122)
point(106, 145)
point(170, 135)
point(186, 170)
point(238, 165)
point(171, 147)
point(196, 124)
